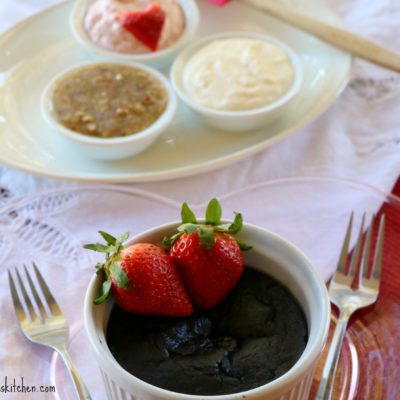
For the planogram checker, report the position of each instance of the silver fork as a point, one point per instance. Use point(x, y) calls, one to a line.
point(48, 329)
point(348, 300)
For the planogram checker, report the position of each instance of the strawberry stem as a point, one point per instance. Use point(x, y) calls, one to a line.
point(110, 269)
point(206, 231)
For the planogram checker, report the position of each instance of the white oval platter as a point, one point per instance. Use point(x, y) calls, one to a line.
point(35, 50)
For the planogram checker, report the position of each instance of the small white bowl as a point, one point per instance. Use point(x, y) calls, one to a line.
point(236, 120)
point(272, 255)
point(157, 58)
point(110, 148)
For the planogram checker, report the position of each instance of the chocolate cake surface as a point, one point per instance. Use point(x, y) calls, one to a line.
point(254, 336)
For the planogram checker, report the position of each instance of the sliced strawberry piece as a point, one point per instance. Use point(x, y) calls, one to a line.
point(146, 25)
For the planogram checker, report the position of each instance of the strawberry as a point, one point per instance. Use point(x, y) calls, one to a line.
point(209, 258)
point(141, 278)
point(146, 25)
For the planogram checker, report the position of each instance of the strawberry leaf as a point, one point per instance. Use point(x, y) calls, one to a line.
point(232, 228)
point(98, 247)
point(206, 230)
point(188, 228)
point(213, 212)
point(105, 291)
point(207, 237)
point(119, 275)
point(237, 224)
point(110, 240)
point(222, 228)
point(99, 268)
point(187, 215)
point(110, 269)
point(168, 242)
point(123, 237)
point(243, 246)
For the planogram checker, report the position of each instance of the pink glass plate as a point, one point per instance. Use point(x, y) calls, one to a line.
point(311, 212)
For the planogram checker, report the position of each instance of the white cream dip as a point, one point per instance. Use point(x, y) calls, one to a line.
point(238, 74)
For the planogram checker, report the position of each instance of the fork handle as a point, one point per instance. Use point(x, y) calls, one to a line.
point(80, 387)
point(329, 372)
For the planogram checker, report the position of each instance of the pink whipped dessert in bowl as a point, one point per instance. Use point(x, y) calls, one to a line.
point(147, 31)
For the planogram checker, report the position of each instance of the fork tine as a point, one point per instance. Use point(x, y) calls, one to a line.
point(46, 292)
point(377, 265)
point(363, 273)
point(27, 300)
point(355, 258)
point(19, 310)
point(38, 301)
point(341, 267)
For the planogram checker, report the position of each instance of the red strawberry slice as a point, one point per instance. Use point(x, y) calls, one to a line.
point(146, 25)
point(141, 278)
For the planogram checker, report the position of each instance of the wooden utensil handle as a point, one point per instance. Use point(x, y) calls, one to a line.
point(338, 37)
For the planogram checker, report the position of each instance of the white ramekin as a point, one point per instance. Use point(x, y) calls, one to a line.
point(270, 254)
point(110, 148)
point(236, 121)
point(157, 58)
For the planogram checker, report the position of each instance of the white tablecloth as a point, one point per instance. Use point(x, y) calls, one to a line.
point(357, 138)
